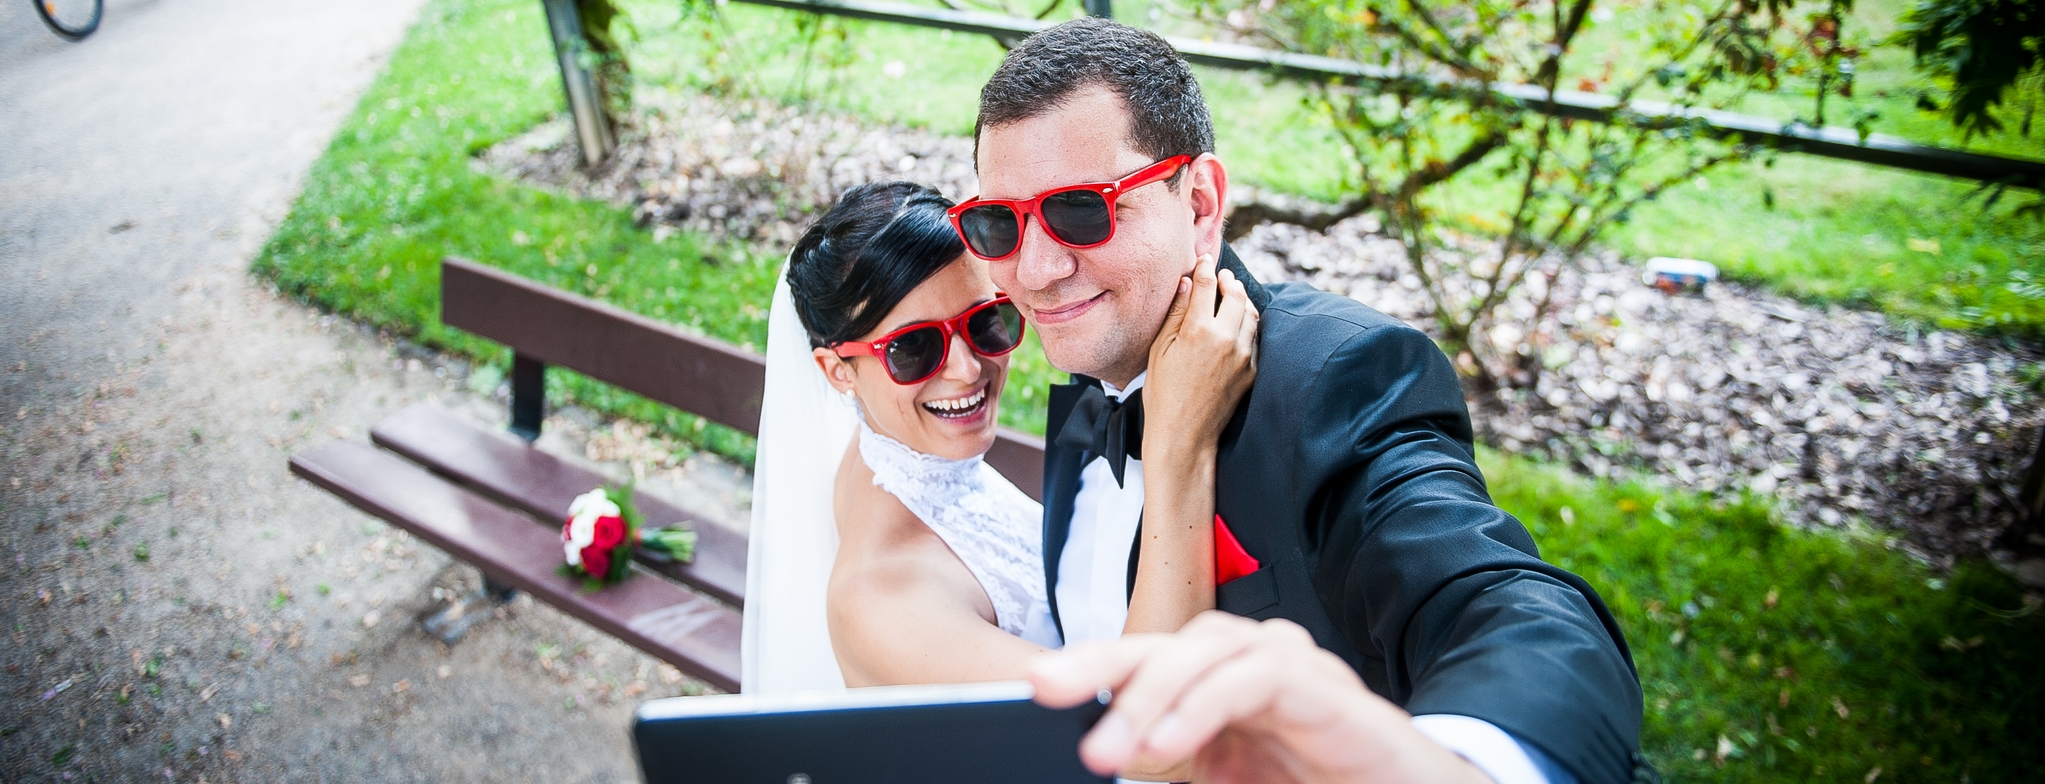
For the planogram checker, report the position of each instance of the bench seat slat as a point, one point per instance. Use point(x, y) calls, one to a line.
point(510, 471)
point(694, 633)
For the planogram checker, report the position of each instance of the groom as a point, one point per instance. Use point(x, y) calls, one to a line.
point(1347, 472)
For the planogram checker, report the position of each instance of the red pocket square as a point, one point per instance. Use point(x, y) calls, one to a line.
point(1230, 560)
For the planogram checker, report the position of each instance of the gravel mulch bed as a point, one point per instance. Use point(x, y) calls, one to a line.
point(1842, 418)
point(1833, 412)
point(745, 170)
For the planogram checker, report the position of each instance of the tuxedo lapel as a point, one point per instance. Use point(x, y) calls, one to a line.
point(1061, 485)
point(1259, 296)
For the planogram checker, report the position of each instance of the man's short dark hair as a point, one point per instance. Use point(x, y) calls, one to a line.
point(1167, 116)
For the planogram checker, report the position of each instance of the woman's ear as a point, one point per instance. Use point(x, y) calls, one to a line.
point(836, 369)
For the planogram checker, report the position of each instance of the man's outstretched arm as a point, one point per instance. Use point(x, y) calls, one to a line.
point(1244, 702)
point(1438, 585)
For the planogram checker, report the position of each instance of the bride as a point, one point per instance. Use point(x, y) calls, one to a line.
point(884, 550)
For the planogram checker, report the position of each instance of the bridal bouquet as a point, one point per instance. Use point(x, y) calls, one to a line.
point(601, 531)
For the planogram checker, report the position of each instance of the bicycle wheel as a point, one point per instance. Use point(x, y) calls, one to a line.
point(72, 19)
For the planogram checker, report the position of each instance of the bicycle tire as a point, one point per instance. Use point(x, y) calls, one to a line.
point(74, 32)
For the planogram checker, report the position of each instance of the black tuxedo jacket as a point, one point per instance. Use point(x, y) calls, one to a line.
point(1348, 473)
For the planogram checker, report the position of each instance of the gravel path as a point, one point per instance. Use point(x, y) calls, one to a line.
point(177, 606)
point(1845, 420)
point(268, 633)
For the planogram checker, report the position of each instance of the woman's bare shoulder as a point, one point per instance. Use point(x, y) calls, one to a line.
point(885, 554)
point(902, 607)
point(867, 515)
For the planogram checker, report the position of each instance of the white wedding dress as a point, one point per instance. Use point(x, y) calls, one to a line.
point(805, 426)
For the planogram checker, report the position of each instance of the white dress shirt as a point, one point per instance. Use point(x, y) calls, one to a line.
point(1093, 570)
point(1093, 604)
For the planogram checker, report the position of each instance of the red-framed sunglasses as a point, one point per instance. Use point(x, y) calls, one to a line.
point(1077, 216)
point(916, 352)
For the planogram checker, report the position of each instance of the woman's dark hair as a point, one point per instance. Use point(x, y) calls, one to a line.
point(857, 262)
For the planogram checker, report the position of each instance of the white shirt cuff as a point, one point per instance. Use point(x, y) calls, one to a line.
point(1484, 745)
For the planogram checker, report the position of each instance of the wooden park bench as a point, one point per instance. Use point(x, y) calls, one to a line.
point(494, 500)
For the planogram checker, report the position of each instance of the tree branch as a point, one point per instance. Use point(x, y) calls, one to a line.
point(1461, 49)
point(1318, 217)
point(1434, 172)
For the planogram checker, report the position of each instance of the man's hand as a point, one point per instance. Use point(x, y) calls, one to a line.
point(1245, 702)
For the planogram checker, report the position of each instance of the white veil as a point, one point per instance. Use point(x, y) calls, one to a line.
point(805, 426)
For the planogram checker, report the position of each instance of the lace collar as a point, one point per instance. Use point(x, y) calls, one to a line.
point(896, 464)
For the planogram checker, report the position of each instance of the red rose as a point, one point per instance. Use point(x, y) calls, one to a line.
point(596, 561)
point(609, 532)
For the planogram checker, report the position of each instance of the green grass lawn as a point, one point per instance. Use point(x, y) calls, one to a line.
point(1781, 655)
point(396, 192)
point(1861, 658)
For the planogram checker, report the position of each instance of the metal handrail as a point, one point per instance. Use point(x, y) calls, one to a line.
point(1827, 142)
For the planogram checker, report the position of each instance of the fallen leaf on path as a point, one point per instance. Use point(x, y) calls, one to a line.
point(359, 681)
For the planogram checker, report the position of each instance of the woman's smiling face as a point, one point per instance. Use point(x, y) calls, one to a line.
point(950, 414)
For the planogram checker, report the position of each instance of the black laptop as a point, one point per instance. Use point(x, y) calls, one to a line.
point(988, 733)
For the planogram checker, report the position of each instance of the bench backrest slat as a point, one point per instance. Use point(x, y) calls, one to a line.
point(703, 376)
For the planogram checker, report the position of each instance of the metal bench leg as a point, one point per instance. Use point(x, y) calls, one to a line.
point(528, 396)
point(454, 620)
point(502, 593)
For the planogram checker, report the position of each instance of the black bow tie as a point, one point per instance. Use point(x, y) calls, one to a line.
point(1104, 426)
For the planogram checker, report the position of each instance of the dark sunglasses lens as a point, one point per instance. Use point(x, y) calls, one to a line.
point(990, 230)
point(1077, 217)
point(915, 354)
point(995, 330)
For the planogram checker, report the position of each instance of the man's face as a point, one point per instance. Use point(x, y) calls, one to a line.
point(1096, 310)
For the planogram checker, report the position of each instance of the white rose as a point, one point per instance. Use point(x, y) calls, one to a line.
point(597, 501)
point(582, 529)
point(581, 532)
